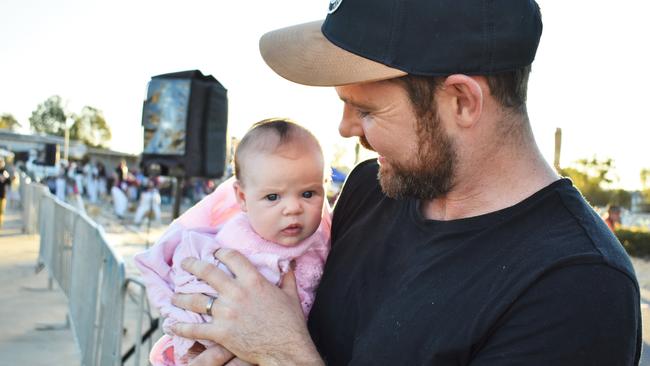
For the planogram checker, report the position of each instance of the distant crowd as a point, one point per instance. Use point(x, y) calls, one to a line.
point(127, 188)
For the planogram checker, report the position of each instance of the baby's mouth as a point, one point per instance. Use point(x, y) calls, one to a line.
point(292, 230)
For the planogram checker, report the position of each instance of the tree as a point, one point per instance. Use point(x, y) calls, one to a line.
point(645, 178)
point(49, 117)
point(7, 121)
point(90, 127)
point(593, 178)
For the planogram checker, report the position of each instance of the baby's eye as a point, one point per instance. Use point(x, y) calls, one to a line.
point(272, 197)
point(307, 194)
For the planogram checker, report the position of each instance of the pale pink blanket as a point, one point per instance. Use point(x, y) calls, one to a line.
point(214, 223)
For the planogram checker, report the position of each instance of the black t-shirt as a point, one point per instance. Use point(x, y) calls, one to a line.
point(543, 282)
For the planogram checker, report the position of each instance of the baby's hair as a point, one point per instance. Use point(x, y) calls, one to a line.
point(270, 135)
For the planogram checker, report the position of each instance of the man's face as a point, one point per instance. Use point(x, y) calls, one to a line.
point(416, 156)
point(283, 193)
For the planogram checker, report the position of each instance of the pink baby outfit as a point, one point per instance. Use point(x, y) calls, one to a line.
point(163, 275)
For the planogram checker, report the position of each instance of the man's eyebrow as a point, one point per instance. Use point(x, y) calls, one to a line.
point(357, 104)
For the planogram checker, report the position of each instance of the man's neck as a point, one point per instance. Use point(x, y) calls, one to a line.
point(502, 178)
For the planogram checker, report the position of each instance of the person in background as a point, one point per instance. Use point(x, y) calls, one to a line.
point(118, 191)
point(613, 217)
point(149, 202)
point(60, 182)
point(91, 178)
point(102, 185)
point(5, 185)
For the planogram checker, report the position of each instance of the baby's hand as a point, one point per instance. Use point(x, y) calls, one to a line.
point(214, 356)
point(194, 351)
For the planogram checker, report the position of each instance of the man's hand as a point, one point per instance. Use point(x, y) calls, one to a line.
point(258, 322)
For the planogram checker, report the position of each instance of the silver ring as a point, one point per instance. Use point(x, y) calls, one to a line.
point(208, 306)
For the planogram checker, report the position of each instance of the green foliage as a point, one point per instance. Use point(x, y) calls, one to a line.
point(49, 117)
point(91, 128)
point(592, 177)
point(635, 241)
point(7, 121)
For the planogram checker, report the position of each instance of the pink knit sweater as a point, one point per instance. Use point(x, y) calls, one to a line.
point(163, 275)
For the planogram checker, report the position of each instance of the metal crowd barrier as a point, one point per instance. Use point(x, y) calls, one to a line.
point(91, 274)
point(30, 198)
point(56, 221)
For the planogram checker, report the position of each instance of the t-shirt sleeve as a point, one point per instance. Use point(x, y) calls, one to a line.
point(586, 314)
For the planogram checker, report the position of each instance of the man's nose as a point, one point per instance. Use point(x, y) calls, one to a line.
point(350, 124)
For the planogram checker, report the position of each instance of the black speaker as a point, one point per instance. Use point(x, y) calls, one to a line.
point(185, 121)
point(51, 154)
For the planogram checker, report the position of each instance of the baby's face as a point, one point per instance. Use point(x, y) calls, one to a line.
point(283, 194)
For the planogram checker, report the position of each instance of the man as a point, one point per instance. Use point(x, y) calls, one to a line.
point(5, 185)
point(460, 245)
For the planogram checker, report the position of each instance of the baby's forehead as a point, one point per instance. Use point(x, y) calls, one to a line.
point(288, 151)
point(269, 142)
point(299, 163)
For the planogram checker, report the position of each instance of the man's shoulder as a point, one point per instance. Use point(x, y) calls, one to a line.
point(575, 232)
point(361, 184)
point(363, 174)
point(360, 191)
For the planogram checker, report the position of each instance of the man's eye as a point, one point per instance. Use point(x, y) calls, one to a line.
point(362, 114)
point(307, 194)
point(272, 197)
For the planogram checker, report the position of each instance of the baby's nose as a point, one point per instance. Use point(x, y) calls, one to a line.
point(292, 207)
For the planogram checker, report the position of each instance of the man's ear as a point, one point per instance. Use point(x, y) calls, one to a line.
point(240, 195)
point(466, 98)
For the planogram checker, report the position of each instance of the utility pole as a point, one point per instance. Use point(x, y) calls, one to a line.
point(66, 140)
point(558, 148)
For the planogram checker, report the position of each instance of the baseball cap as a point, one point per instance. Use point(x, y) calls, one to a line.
point(370, 40)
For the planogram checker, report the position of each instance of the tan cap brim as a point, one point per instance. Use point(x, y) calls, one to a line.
point(302, 54)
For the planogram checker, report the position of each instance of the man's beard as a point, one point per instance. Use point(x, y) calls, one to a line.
point(431, 175)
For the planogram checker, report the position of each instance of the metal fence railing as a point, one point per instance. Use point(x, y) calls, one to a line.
point(56, 221)
point(96, 294)
point(30, 197)
point(90, 273)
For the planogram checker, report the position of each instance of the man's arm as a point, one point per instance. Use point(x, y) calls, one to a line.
point(258, 322)
point(585, 314)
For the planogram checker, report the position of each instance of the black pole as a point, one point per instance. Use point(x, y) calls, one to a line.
point(145, 336)
point(179, 196)
point(149, 214)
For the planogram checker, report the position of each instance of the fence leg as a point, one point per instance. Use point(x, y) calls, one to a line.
point(64, 326)
point(138, 331)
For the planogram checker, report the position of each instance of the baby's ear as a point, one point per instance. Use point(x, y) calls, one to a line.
point(240, 195)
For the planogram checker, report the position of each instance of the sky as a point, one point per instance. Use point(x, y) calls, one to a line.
point(589, 78)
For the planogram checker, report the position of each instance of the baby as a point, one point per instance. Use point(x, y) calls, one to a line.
point(273, 212)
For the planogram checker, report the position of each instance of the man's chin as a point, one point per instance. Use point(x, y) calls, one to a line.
point(388, 181)
point(395, 184)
